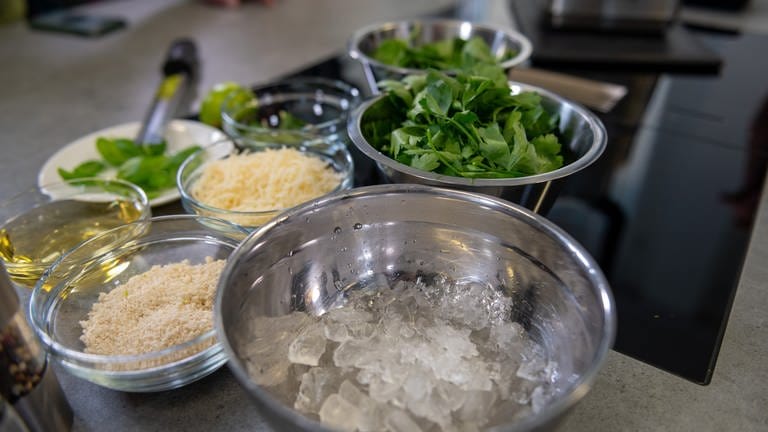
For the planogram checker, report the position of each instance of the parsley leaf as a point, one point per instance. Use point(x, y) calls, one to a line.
point(468, 125)
point(452, 53)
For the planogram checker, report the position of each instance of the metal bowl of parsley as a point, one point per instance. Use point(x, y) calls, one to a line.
point(480, 133)
point(395, 49)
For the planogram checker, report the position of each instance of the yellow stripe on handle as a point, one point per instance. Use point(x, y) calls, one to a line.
point(169, 86)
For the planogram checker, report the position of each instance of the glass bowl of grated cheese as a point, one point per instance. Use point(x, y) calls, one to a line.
point(137, 317)
point(249, 184)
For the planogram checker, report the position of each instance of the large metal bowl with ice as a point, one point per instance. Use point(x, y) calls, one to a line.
point(410, 307)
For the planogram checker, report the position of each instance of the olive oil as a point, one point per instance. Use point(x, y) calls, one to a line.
point(32, 241)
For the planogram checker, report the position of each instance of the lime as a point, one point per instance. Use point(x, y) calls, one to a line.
point(210, 108)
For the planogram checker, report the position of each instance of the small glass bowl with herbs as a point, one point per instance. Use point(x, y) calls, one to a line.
point(480, 133)
point(301, 110)
point(395, 49)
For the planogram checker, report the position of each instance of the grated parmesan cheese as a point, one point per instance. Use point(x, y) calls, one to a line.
point(162, 307)
point(266, 180)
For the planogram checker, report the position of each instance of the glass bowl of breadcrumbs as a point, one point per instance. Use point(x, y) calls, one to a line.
point(137, 317)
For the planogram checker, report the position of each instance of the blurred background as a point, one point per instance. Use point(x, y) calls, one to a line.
point(668, 210)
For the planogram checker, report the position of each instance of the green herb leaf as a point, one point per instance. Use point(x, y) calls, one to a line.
point(116, 151)
point(89, 168)
point(469, 125)
point(426, 161)
point(154, 149)
point(393, 52)
point(452, 53)
point(494, 147)
point(290, 121)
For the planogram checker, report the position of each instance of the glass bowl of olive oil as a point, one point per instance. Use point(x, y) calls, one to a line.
point(41, 224)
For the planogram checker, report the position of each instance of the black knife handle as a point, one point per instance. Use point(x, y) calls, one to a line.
point(181, 58)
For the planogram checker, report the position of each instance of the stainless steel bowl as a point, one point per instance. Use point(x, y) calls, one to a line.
point(297, 261)
point(510, 47)
point(582, 135)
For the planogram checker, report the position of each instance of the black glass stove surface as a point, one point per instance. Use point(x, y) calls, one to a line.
point(658, 210)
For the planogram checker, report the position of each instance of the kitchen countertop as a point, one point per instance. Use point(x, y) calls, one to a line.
point(57, 88)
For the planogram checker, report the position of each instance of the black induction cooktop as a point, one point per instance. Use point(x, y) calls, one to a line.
point(666, 211)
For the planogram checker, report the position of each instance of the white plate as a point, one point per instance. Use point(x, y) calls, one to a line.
point(178, 135)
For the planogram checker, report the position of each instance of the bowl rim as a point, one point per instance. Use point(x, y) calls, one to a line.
point(70, 186)
point(354, 51)
point(548, 414)
point(186, 195)
point(352, 91)
point(599, 144)
point(84, 361)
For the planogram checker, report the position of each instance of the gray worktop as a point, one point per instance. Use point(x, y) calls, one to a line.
point(56, 88)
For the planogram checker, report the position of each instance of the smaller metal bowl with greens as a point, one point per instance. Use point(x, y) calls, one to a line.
point(395, 49)
point(480, 134)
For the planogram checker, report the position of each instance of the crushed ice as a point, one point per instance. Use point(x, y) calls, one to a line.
point(411, 357)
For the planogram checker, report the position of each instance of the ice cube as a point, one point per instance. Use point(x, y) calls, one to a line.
point(370, 418)
point(477, 406)
point(453, 397)
point(398, 421)
point(431, 407)
point(347, 315)
point(308, 346)
point(336, 331)
point(339, 413)
point(383, 391)
point(505, 377)
point(350, 392)
point(507, 338)
point(532, 368)
point(418, 384)
point(468, 375)
point(316, 385)
point(456, 341)
point(351, 353)
point(538, 399)
point(364, 376)
point(361, 330)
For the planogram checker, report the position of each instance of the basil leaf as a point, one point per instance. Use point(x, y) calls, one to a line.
point(89, 168)
point(111, 152)
point(155, 149)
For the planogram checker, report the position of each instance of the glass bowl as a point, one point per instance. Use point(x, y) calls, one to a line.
point(502, 275)
point(191, 170)
point(302, 110)
point(510, 47)
point(65, 294)
point(39, 225)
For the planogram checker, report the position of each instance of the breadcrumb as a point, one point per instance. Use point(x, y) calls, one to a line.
point(162, 307)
